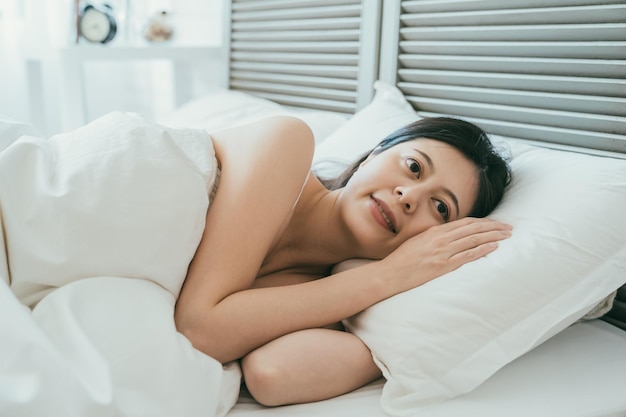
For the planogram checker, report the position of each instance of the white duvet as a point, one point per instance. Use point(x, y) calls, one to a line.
point(98, 227)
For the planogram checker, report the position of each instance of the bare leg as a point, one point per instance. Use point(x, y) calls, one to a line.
point(308, 365)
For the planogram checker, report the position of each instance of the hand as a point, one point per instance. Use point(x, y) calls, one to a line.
point(442, 249)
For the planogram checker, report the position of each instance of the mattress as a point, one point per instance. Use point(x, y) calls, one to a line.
point(578, 373)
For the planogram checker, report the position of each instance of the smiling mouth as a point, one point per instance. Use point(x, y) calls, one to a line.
point(386, 218)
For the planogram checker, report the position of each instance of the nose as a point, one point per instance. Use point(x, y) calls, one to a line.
point(409, 197)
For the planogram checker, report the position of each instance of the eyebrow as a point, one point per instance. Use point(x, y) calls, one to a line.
point(446, 190)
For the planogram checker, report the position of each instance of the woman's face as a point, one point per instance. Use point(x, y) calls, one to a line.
point(405, 190)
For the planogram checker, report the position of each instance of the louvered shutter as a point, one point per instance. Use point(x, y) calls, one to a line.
point(542, 70)
point(307, 53)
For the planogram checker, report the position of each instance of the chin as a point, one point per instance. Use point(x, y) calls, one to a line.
point(370, 240)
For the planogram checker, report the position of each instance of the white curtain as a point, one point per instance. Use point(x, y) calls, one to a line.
point(12, 84)
point(32, 32)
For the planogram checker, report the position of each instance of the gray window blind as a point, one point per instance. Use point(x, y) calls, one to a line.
point(542, 70)
point(307, 53)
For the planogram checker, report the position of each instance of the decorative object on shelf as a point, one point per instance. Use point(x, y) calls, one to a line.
point(97, 23)
point(159, 28)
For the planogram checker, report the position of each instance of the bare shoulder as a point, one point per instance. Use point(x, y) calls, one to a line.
point(278, 137)
point(270, 159)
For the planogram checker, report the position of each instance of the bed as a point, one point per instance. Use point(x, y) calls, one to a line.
point(542, 330)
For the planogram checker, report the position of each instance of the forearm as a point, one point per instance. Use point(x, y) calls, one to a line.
point(228, 328)
point(248, 319)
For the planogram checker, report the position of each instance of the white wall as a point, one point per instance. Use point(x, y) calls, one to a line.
point(40, 28)
point(13, 100)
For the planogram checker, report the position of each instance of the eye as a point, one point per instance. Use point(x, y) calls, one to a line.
point(443, 210)
point(414, 166)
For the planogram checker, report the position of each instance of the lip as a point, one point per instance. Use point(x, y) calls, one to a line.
point(374, 208)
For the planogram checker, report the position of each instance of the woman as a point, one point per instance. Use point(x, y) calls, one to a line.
point(253, 289)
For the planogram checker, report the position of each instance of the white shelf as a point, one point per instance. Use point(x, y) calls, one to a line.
point(73, 58)
point(174, 52)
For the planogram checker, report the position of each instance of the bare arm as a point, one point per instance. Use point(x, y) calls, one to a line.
point(247, 319)
point(307, 365)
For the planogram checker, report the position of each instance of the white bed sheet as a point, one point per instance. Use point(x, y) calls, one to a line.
point(578, 373)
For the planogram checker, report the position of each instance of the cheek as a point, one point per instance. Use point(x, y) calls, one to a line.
point(422, 221)
point(361, 179)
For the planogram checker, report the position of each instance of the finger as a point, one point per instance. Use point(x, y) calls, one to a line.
point(480, 222)
point(478, 239)
point(469, 227)
point(475, 246)
point(473, 254)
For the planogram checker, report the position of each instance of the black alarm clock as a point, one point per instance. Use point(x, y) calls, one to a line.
point(97, 23)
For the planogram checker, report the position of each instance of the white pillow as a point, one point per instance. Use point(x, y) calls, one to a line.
point(387, 112)
point(226, 108)
point(567, 252)
point(220, 109)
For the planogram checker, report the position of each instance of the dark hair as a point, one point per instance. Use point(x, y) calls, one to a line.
point(494, 173)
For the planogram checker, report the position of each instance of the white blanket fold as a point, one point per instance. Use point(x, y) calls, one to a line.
point(98, 228)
